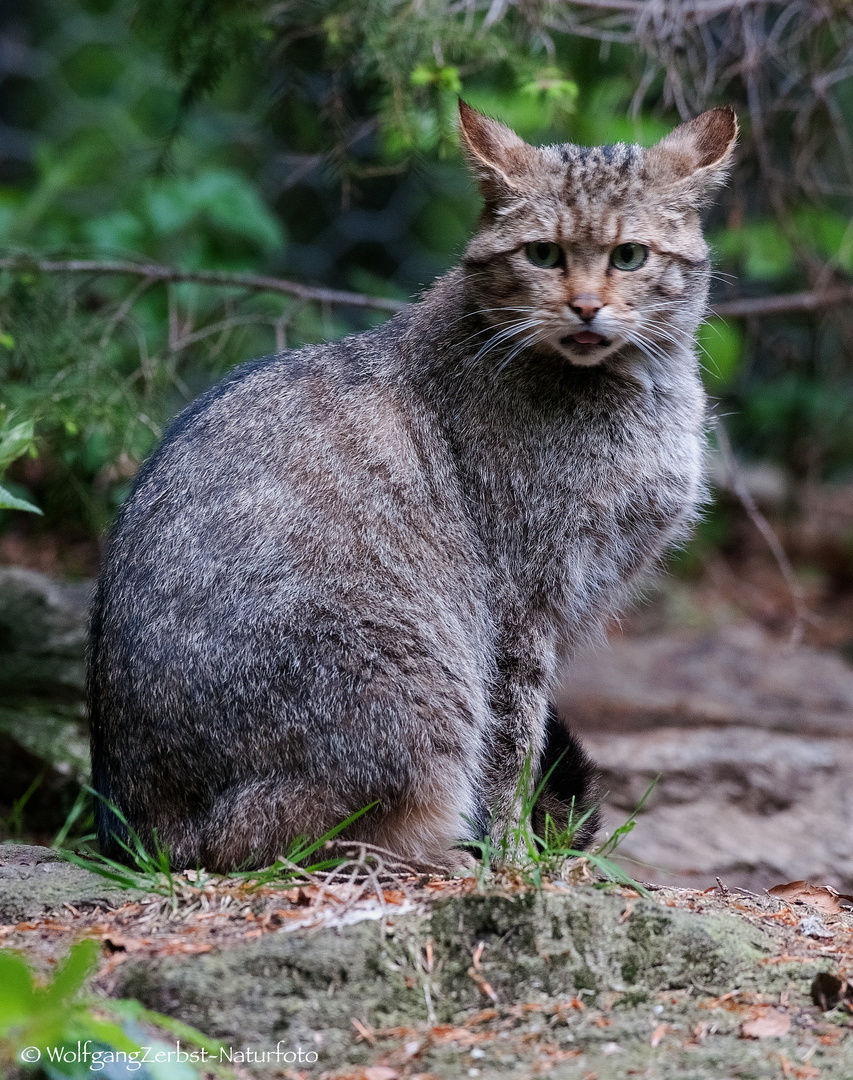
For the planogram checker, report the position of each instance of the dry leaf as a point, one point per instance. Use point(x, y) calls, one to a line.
point(823, 897)
point(658, 1034)
point(380, 1072)
point(771, 1025)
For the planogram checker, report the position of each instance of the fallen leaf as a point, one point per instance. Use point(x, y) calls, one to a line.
point(119, 943)
point(771, 1025)
point(823, 897)
point(715, 1003)
point(380, 1072)
point(658, 1034)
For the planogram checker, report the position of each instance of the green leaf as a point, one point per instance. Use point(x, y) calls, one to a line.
point(15, 441)
point(760, 247)
point(8, 501)
point(17, 997)
point(70, 978)
point(445, 77)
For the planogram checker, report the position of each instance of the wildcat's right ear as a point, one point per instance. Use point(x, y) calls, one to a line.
point(502, 162)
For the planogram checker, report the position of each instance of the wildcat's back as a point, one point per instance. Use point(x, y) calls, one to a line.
point(350, 574)
point(266, 657)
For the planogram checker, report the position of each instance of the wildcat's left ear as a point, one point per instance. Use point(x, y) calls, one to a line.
point(503, 164)
point(696, 156)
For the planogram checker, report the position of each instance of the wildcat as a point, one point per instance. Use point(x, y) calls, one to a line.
point(351, 573)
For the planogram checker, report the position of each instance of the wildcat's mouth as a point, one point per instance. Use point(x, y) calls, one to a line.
point(587, 339)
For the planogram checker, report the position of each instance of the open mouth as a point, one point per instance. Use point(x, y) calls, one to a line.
point(587, 339)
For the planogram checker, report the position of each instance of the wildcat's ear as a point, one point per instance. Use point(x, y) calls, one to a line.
point(503, 164)
point(696, 156)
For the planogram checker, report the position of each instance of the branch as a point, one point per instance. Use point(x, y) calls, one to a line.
point(254, 282)
point(749, 307)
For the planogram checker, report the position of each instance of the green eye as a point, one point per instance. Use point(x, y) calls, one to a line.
point(543, 254)
point(629, 256)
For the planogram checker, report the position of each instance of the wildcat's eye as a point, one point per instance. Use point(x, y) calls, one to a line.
point(629, 256)
point(543, 254)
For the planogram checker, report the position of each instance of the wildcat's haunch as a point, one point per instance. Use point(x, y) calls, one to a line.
point(351, 573)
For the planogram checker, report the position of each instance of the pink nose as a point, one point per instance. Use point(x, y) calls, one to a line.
point(586, 305)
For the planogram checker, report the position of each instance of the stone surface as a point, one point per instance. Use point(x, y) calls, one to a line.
point(734, 677)
point(572, 981)
point(36, 880)
point(754, 747)
point(43, 735)
point(619, 969)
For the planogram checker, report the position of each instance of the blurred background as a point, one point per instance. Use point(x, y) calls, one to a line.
point(145, 147)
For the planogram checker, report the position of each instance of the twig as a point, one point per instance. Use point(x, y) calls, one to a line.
point(749, 307)
point(156, 272)
point(763, 525)
point(746, 307)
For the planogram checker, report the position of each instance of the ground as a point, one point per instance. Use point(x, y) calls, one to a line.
point(444, 978)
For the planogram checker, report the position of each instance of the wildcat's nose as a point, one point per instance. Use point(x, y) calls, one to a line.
point(586, 305)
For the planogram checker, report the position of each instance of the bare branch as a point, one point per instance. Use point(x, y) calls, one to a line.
point(746, 307)
point(253, 282)
point(756, 306)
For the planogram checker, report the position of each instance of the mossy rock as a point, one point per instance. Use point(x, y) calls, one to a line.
point(619, 967)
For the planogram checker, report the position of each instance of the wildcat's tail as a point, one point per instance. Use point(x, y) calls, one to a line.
point(572, 787)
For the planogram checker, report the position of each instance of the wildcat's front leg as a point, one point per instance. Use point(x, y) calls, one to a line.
point(529, 746)
point(516, 743)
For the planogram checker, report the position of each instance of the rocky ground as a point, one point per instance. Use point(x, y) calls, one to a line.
point(753, 743)
point(390, 977)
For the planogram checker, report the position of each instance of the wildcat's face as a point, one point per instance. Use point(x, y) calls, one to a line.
point(582, 252)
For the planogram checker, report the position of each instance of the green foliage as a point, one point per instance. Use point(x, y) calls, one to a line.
point(45, 1027)
point(537, 858)
point(801, 420)
point(238, 135)
point(15, 441)
point(50, 1015)
point(152, 872)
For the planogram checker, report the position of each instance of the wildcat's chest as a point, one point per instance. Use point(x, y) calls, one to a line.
point(593, 494)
